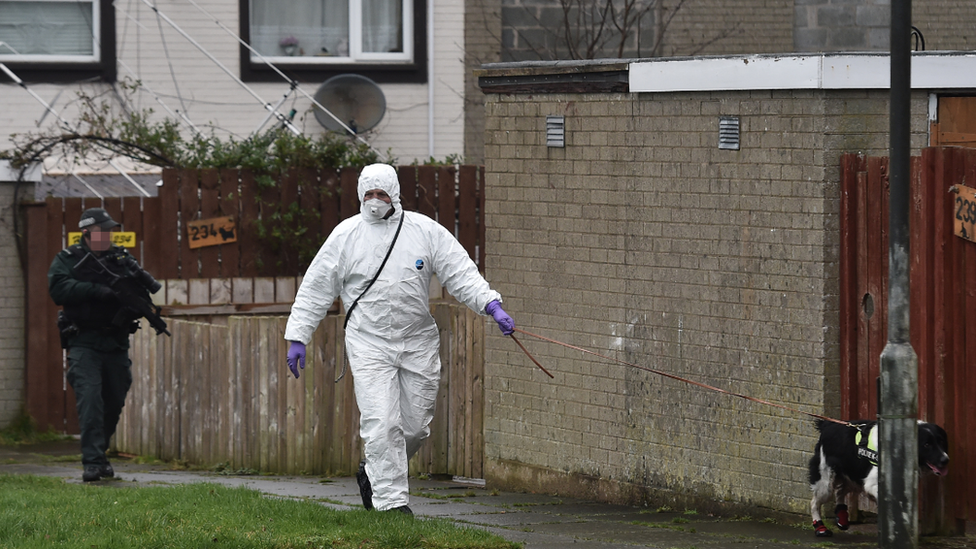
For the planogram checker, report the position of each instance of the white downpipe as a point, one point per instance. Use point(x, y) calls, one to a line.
point(430, 78)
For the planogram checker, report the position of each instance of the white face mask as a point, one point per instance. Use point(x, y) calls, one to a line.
point(376, 208)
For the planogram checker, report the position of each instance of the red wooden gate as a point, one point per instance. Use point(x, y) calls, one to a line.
point(453, 196)
point(943, 290)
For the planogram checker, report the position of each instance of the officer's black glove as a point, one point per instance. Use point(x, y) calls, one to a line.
point(104, 293)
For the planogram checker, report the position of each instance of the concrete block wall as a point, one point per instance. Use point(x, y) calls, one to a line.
point(946, 24)
point(864, 25)
point(482, 39)
point(12, 338)
point(643, 241)
point(723, 27)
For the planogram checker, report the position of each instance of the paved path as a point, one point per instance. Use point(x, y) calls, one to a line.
point(538, 521)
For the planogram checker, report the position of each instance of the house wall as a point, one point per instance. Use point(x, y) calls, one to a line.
point(531, 28)
point(843, 25)
point(946, 24)
point(12, 315)
point(721, 27)
point(482, 38)
point(213, 101)
point(643, 241)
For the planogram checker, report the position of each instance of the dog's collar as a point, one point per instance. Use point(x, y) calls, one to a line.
point(867, 446)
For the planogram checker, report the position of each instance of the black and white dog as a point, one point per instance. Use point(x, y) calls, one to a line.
point(845, 463)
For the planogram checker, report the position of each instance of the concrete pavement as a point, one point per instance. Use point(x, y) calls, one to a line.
point(536, 520)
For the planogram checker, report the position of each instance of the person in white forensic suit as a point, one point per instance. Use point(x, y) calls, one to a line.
point(392, 341)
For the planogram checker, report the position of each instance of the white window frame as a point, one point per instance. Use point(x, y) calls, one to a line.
point(6, 55)
point(356, 54)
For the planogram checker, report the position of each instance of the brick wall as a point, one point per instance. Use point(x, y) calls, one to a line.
point(642, 240)
point(722, 27)
point(11, 302)
point(482, 39)
point(843, 25)
point(946, 24)
point(532, 28)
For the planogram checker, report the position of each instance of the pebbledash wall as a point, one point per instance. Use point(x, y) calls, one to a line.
point(12, 301)
point(643, 240)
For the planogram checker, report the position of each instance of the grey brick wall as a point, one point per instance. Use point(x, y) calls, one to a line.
point(722, 27)
point(11, 309)
point(642, 240)
point(532, 29)
point(946, 24)
point(482, 44)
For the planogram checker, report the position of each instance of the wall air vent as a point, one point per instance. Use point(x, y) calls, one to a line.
point(728, 133)
point(555, 131)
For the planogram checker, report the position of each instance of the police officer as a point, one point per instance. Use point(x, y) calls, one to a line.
point(95, 334)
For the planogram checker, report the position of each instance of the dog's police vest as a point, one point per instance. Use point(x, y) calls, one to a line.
point(867, 446)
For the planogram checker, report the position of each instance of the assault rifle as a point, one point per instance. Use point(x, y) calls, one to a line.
point(132, 291)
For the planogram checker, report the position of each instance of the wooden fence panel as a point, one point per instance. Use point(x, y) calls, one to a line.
point(427, 191)
point(210, 208)
point(230, 206)
point(446, 198)
point(348, 194)
point(222, 394)
point(330, 199)
point(223, 274)
point(40, 366)
point(408, 187)
point(467, 210)
point(943, 334)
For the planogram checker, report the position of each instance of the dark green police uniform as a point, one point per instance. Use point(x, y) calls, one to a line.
point(99, 369)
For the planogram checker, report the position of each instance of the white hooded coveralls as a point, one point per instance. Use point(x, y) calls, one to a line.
point(391, 338)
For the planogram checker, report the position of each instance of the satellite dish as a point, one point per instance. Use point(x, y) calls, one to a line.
point(354, 99)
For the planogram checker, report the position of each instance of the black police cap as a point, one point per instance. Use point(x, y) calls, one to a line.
point(96, 217)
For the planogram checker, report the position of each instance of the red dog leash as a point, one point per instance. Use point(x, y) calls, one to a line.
point(665, 374)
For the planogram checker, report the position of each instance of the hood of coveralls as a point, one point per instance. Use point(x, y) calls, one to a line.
point(383, 177)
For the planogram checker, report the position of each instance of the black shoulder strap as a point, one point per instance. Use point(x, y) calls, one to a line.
point(403, 214)
point(76, 250)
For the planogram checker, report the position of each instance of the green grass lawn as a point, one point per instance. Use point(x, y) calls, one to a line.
point(48, 512)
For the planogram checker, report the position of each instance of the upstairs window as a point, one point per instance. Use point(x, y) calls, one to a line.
point(49, 30)
point(58, 40)
point(314, 38)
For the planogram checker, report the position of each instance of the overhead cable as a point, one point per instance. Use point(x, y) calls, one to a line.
point(67, 126)
point(179, 114)
point(169, 62)
point(281, 118)
point(291, 81)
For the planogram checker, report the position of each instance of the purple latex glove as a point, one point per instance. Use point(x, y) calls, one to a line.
point(505, 322)
point(296, 357)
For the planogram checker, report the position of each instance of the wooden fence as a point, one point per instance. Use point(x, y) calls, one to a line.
point(942, 331)
point(254, 274)
point(216, 394)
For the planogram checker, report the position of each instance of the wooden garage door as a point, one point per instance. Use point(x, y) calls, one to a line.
point(956, 126)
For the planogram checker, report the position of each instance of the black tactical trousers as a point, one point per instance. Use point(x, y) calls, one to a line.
point(100, 380)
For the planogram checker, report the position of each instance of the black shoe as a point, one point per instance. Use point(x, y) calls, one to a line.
point(92, 473)
point(365, 490)
point(107, 470)
point(402, 509)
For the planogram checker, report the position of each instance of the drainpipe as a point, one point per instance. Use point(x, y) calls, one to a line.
point(430, 78)
point(898, 487)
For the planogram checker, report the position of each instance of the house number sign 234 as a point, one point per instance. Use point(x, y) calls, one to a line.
point(211, 232)
point(964, 212)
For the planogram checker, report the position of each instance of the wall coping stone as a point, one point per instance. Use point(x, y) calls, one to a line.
point(933, 70)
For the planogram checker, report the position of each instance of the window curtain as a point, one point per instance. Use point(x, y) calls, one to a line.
point(46, 28)
point(383, 26)
point(319, 27)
